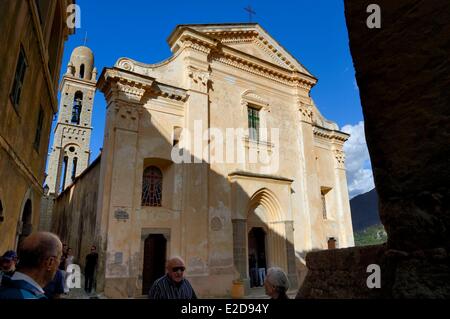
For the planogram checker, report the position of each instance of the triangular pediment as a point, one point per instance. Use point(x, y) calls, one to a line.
point(252, 39)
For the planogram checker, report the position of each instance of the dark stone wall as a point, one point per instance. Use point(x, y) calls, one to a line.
point(343, 273)
point(403, 73)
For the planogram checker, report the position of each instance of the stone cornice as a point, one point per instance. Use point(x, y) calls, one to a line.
point(186, 37)
point(230, 33)
point(251, 97)
point(73, 126)
point(171, 92)
point(253, 36)
point(123, 85)
point(75, 80)
point(263, 68)
point(130, 87)
point(331, 135)
point(189, 38)
point(243, 174)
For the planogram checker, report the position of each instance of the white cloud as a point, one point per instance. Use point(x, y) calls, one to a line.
point(357, 162)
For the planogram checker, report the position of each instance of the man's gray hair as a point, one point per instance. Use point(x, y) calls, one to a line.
point(36, 248)
point(276, 277)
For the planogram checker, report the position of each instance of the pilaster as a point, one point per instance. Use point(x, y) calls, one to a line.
point(195, 215)
point(125, 95)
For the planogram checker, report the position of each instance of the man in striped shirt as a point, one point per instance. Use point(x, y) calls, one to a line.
point(173, 285)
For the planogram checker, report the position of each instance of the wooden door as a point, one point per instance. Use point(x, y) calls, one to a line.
point(154, 260)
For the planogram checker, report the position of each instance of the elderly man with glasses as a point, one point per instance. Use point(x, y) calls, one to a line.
point(173, 285)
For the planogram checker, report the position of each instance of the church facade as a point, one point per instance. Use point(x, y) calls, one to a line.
point(225, 213)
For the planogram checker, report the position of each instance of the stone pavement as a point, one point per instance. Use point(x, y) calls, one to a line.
point(255, 293)
point(79, 293)
point(259, 293)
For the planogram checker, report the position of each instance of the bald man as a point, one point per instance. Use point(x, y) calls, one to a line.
point(173, 285)
point(39, 258)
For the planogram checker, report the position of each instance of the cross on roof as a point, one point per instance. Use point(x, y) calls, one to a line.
point(250, 11)
point(85, 39)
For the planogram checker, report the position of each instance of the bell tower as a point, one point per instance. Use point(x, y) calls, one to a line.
point(71, 143)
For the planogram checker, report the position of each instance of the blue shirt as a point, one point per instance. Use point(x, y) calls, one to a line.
point(19, 289)
point(56, 286)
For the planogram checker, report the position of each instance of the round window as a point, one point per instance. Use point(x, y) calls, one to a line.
point(72, 149)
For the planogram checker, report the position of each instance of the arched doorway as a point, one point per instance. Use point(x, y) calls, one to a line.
point(155, 246)
point(257, 256)
point(26, 225)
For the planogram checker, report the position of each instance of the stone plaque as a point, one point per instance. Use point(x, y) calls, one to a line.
point(121, 215)
point(118, 257)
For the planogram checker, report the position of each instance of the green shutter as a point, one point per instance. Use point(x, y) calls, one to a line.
point(253, 123)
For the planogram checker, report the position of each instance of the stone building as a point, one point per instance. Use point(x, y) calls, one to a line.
point(70, 152)
point(71, 144)
point(32, 36)
point(215, 213)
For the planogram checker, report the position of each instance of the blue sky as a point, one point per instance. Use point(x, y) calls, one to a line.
point(312, 31)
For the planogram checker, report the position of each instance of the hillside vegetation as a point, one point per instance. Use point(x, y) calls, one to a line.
point(372, 235)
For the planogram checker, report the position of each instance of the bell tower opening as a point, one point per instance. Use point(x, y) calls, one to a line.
point(82, 71)
point(76, 109)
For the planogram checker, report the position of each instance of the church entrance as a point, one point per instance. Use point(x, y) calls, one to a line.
point(154, 260)
point(257, 256)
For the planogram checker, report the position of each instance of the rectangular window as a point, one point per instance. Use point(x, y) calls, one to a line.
point(253, 123)
point(19, 77)
point(325, 199)
point(324, 205)
point(74, 168)
point(40, 121)
point(64, 172)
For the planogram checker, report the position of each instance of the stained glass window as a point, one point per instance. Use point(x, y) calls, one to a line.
point(152, 186)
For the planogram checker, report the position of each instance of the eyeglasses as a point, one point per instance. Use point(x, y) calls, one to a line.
point(175, 269)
